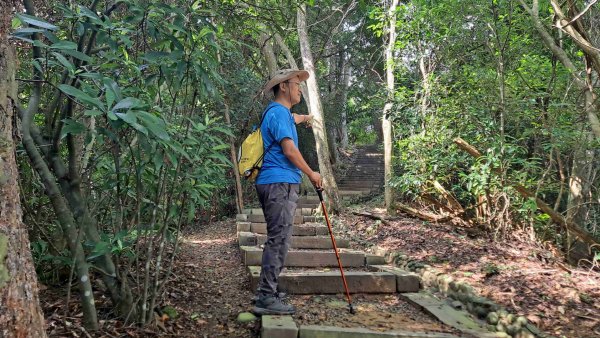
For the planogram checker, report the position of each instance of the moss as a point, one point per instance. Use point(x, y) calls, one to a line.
point(4, 277)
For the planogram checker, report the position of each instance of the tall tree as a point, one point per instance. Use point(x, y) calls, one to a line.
point(580, 178)
point(20, 312)
point(316, 111)
point(386, 120)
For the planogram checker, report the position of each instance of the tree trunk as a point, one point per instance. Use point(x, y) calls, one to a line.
point(238, 183)
point(290, 57)
point(346, 71)
point(386, 123)
point(20, 312)
point(316, 111)
point(266, 46)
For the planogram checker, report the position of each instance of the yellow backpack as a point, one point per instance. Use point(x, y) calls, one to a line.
point(251, 153)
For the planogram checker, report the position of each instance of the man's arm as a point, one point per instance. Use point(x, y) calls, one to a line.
point(302, 118)
point(293, 154)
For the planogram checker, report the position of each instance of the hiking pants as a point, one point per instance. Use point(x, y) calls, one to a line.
point(278, 201)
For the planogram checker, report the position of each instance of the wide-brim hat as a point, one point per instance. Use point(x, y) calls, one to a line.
point(283, 75)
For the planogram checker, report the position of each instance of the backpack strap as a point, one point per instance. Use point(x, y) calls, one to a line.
point(255, 166)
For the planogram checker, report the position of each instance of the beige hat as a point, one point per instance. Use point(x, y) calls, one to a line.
point(283, 75)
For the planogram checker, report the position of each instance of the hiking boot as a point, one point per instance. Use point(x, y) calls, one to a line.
point(280, 295)
point(272, 305)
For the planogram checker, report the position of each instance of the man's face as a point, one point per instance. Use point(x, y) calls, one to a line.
point(294, 90)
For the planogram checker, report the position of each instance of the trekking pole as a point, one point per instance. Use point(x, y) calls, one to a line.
point(337, 255)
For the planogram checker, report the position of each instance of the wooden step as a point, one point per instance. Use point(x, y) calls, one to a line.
point(252, 255)
point(329, 282)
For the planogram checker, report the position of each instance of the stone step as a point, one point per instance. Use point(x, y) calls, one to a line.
point(252, 255)
point(298, 242)
point(309, 198)
point(329, 282)
point(354, 187)
point(318, 331)
point(261, 218)
point(406, 281)
point(352, 192)
point(299, 211)
point(306, 229)
point(278, 327)
point(448, 315)
point(360, 183)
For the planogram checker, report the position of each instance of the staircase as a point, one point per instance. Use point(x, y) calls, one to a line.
point(312, 268)
point(366, 174)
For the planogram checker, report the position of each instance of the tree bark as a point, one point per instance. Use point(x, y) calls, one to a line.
point(346, 71)
point(20, 312)
point(386, 122)
point(239, 195)
point(290, 57)
point(316, 111)
point(266, 46)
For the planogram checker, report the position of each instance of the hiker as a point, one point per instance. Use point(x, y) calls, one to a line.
point(278, 184)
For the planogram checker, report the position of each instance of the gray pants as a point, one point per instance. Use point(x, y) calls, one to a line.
point(278, 201)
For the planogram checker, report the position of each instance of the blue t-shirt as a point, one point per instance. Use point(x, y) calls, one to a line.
point(278, 124)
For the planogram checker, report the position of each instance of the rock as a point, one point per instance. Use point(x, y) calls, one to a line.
point(464, 298)
point(444, 283)
point(492, 318)
point(512, 329)
point(481, 312)
point(246, 317)
point(502, 314)
point(521, 321)
point(466, 288)
point(457, 305)
point(510, 318)
point(170, 311)
point(428, 277)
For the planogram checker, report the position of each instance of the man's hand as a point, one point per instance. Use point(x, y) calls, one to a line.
point(316, 179)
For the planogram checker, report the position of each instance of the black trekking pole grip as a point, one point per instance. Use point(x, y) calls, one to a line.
point(320, 193)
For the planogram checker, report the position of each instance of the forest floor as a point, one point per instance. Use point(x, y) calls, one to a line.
point(528, 279)
point(210, 285)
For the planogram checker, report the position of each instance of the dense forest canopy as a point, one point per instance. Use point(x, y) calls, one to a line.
point(128, 115)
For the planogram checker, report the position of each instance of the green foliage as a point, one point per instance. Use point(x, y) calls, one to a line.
point(141, 99)
point(492, 49)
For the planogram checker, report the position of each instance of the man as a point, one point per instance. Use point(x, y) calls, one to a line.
point(278, 184)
